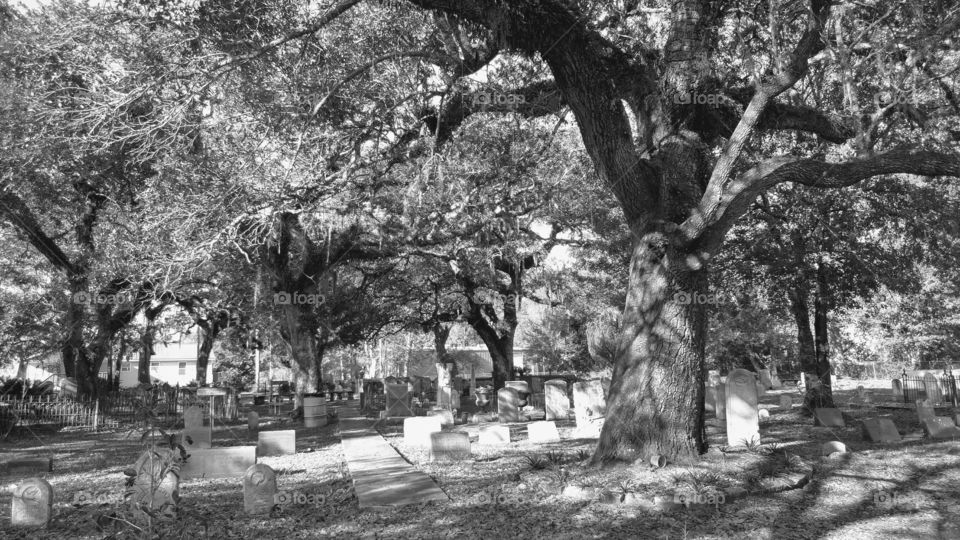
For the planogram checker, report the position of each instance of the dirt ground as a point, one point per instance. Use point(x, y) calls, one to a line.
point(906, 490)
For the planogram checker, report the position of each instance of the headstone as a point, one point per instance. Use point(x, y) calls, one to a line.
point(721, 403)
point(588, 403)
point(763, 414)
point(833, 447)
point(417, 430)
point(765, 379)
point(253, 421)
point(925, 411)
point(445, 397)
point(786, 402)
point(940, 427)
point(194, 438)
point(26, 467)
point(228, 462)
point(449, 445)
point(556, 402)
point(508, 405)
point(761, 389)
point(494, 435)
point(828, 417)
point(32, 504)
point(713, 377)
point(932, 387)
point(775, 381)
point(521, 386)
point(543, 432)
point(710, 399)
point(259, 488)
point(896, 386)
point(277, 443)
point(880, 430)
point(743, 421)
point(445, 416)
point(192, 418)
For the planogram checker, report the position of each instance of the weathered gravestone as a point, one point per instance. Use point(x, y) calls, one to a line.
point(508, 405)
point(828, 417)
point(589, 405)
point(556, 401)
point(763, 414)
point(765, 379)
point(449, 445)
point(156, 479)
point(277, 443)
point(940, 427)
point(494, 435)
point(398, 400)
point(932, 387)
point(833, 447)
point(710, 399)
point(228, 462)
point(925, 411)
point(26, 467)
point(192, 417)
point(881, 430)
point(896, 387)
point(253, 421)
point(417, 430)
point(713, 377)
point(195, 434)
point(445, 416)
point(720, 406)
point(259, 489)
point(32, 504)
point(743, 421)
point(543, 432)
point(786, 402)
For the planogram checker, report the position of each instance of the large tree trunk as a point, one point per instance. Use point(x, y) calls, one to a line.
point(822, 396)
point(207, 340)
point(816, 395)
point(299, 330)
point(655, 402)
point(146, 352)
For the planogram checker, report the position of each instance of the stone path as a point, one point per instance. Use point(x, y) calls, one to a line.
point(381, 477)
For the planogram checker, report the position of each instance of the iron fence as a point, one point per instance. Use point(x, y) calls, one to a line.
point(938, 390)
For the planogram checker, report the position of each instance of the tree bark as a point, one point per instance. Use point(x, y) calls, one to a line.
point(822, 396)
point(207, 341)
point(656, 400)
point(147, 338)
point(299, 330)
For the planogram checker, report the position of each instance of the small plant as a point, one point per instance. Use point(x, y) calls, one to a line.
point(555, 458)
point(536, 462)
point(752, 444)
point(562, 476)
point(626, 486)
point(583, 454)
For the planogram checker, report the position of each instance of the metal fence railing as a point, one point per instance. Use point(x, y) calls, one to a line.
point(939, 390)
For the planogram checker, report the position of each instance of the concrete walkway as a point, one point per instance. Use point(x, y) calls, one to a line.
point(381, 477)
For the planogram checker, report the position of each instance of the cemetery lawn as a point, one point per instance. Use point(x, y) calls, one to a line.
point(782, 490)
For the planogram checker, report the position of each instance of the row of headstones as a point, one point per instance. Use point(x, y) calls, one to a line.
point(589, 402)
point(931, 386)
point(427, 432)
point(32, 503)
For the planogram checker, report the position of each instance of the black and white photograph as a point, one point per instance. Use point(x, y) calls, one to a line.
point(480, 269)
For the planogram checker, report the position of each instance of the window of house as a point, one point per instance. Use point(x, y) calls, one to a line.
point(182, 368)
point(125, 366)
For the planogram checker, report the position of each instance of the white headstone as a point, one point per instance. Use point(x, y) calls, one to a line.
point(765, 379)
point(32, 504)
point(743, 421)
point(494, 435)
point(543, 432)
point(398, 400)
point(417, 430)
point(588, 403)
point(932, 386)
point(721, 403)
point(556, 401)
point(897, 389)
point(449, 445)
point(508, 405)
